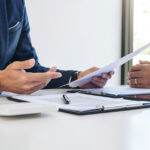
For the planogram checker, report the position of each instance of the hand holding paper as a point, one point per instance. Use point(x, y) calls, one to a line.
point(96, 81)
point(108, 68)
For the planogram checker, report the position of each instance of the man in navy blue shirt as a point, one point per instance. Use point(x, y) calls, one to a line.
point(20, 71)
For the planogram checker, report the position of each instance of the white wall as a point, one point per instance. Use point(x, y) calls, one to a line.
point(76, 34)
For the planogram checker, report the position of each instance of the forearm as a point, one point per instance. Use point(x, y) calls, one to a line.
point(56, 83)
point(1, 82)
point(1, 89)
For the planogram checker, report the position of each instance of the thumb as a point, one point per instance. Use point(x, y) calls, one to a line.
point(53, 69)
point(27, 64)
point(144, 62)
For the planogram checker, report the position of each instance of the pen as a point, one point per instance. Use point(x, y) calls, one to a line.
point(66, 99)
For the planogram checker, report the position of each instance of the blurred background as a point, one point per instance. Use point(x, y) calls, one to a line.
point(79, 34)
point(141, 28)
point(76, 34)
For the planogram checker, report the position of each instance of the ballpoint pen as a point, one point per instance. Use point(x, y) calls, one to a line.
point(66, 99)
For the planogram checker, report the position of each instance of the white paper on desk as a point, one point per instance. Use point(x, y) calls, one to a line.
point(50, 99)
point(108, 68)
point(78, 101)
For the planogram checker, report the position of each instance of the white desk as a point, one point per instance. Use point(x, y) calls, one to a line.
point(128, 130)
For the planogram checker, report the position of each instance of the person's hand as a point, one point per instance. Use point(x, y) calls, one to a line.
point(97, 81)
point(139, 97)
point(15, 79)
point(139, 75)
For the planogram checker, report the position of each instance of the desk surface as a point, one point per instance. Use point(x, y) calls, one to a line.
point(129, 130)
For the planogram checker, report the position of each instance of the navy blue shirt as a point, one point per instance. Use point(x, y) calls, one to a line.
point(15, 42)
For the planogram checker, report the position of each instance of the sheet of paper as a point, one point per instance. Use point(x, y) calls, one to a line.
point(79, 102)
point(108, 68)
point(55, 99)
point(119, 90)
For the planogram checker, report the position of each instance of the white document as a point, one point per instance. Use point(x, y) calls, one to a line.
point(78, 101)
point(53, 101)
point(41, 99)
point(81, 103)
point(108, 68)
point(118, 91)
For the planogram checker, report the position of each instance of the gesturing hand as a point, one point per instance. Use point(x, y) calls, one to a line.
point(97, 81)
point(139, 75)
point(15, 79)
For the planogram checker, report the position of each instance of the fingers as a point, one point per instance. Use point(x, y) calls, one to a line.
point(86, 72)
point(43, 76)
point(140, 97)
point(98, 84)
point(36, 88)
point(89, 85)
point(53, 69)
point(99, 81)
point(19, 65)
point(142, 82)
point(138, 81)
point(112, 73)
point(145, 86)
point(137, 67)
point(137, 74)
point(144, 62)
point(106, 75)
point(29, 86)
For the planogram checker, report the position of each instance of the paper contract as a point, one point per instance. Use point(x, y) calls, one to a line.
point(107, 68)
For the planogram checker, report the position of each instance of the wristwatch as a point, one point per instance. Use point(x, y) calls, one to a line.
point(74, 76)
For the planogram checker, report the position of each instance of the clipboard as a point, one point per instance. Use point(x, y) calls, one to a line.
point(97, 111)
point(123, 105)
